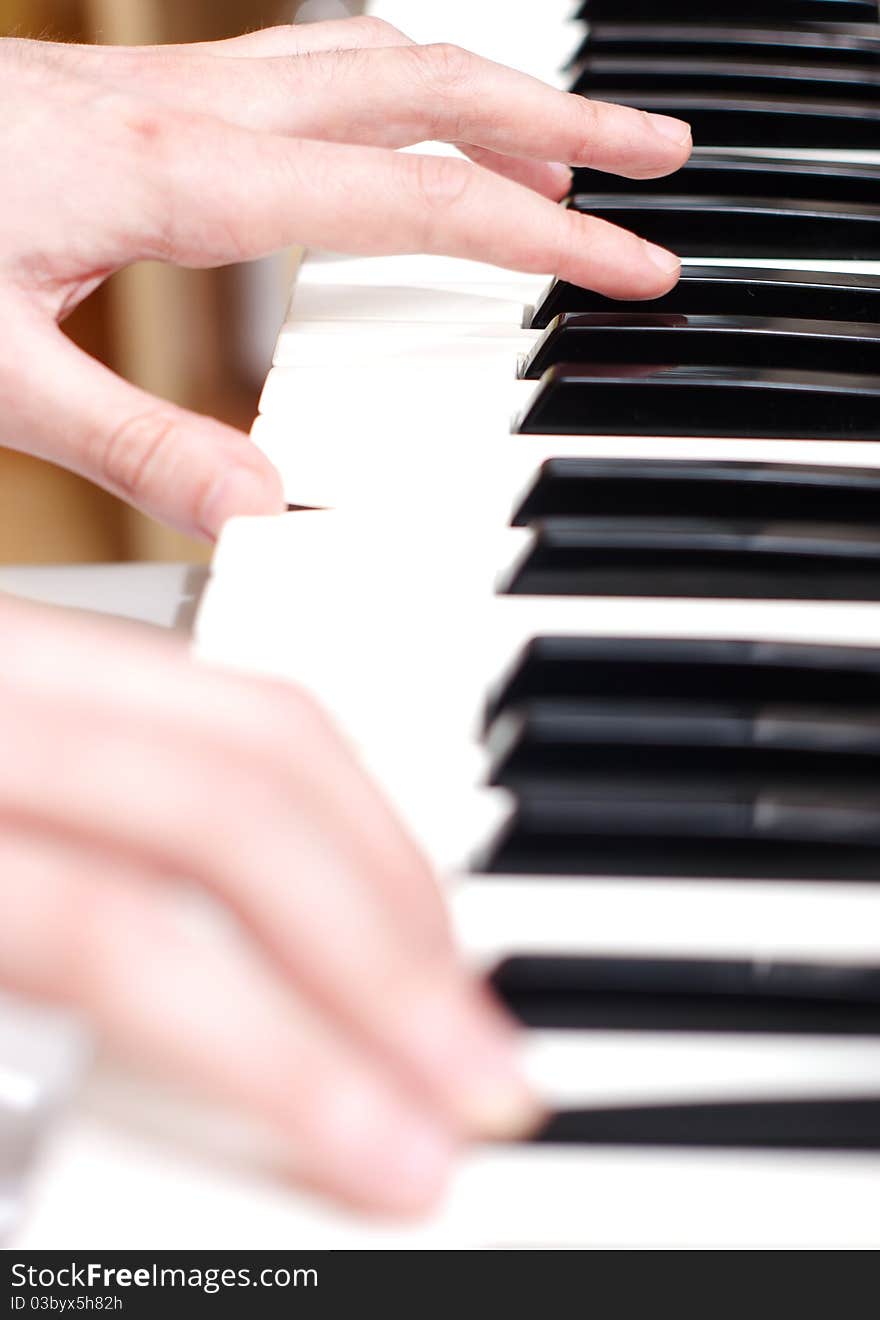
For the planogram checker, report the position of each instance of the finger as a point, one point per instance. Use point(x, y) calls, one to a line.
point(219, 193)
point(194, 1002)
point(187, 470)
point(407, 94)
point(545, 177)
point(192, 76)
point(266, 824)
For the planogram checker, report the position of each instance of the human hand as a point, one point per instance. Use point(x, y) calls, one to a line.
point(329, 1005)
point(209, 154)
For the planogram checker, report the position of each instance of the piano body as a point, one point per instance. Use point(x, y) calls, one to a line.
point(616, 662)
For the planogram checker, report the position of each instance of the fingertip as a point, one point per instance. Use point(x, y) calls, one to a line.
point(674, 131)
point(421, 1167)
point(551, 179)
point(559, 181)
point(664, 261)
point(673, 145)
point(242, 491)
point(650, 277)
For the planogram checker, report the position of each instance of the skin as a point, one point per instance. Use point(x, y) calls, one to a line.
point(331, 1005)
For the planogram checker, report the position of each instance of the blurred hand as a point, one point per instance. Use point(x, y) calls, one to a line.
point(209, 154)
point(330, 1005)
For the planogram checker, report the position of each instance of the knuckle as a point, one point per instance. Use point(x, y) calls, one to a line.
point(130, 455)
point(275, 34)
point(571, 234)
point(291, 707)
point(377, 31)
point(279, 722)
point(587, 134)
point(448, 69)
point(440, 183)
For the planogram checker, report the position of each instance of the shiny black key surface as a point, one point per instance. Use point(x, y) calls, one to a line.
point(590, 487)
point(856, 44)
point(734, 291)
point(772, 835)
point(657, 337)
point(749, 227)
point(726, 11)
point(578, 399)
point(726, 77)
point(682, 750)
point(669, 994)
point(844, 1124)
point(700, 558)
point(692, 670)
point(769, 121)
point(776, 177)
point(700, 529)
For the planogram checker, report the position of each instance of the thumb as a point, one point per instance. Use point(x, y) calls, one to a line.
point(185, 469)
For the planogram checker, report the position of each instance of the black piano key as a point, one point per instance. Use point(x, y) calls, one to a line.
point(656, 994)
point(644, 337)
point(760, 1125)
point(685, 751)
point(726, 77)
point(856, 44)
point(771, 121)
point(700, 558)
point(734, 291)
point(774, 12)
point(579, 399)
point(778, 178)
point(771, 835)
point(689, 670)
point(749, 227)
point(587, 487)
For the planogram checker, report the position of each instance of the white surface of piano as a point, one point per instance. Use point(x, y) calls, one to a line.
point(385, 607)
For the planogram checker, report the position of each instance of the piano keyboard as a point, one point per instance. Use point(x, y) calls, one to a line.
point(593, 588)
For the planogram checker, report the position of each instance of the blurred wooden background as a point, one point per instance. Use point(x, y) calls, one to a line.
point(200, 338)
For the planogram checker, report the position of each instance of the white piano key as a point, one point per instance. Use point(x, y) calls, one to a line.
point(763, 920)
point(428, 289)
point(368, 567)
point(573, 1069)
point(492, 476)
point(664, 1199)
point(399, 602)
point(124, 1150)
point(471, 388)
point(395, 345)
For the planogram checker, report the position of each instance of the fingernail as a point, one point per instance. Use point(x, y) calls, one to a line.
point(660, 257)
point(238, 492)
point(563, 177)
point(492, 1096)
point(500, 1106)
point(467, 1049)
point(673, 130)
